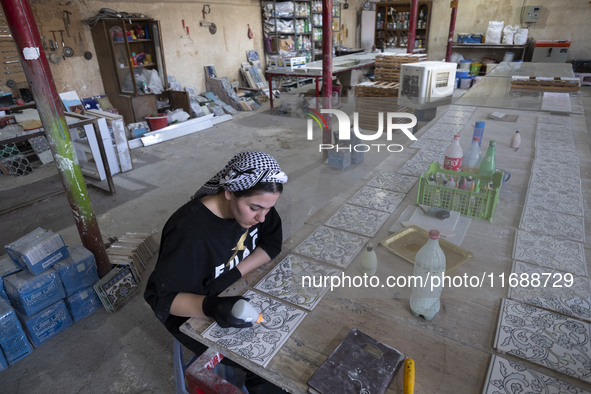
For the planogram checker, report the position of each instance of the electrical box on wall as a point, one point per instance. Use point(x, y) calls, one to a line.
point(531, 14)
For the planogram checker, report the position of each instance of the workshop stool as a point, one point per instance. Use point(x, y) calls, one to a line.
point(338, 89)
point(180, 366)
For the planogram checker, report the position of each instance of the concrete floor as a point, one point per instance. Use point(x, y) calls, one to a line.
point(130, 351)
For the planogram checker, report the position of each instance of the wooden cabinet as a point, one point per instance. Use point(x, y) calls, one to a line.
point(392, 21)
point(132, 66)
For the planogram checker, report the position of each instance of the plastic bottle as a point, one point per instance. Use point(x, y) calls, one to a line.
point(479, 131)
point(488, 165)
point(453, 155)
point(369, 260)
point(244, 310)
point(515, 141)
point(429, 263)
point(472, 157)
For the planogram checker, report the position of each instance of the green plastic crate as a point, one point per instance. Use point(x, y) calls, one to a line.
point(475, 205)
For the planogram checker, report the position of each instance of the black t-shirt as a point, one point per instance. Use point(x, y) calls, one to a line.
point(199, 252)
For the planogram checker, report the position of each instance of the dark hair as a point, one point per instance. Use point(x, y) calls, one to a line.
point(260, 188)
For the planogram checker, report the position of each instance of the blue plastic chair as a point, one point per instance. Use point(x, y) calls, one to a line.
point(180, 366)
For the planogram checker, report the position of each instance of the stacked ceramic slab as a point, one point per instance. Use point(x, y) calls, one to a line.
point(546, 322)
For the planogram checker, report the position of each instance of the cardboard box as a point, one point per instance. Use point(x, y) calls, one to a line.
point(291, 63)
point(38, 250)
point(30, 294)
point(3, 363)
point(82, 304)
point(78, 270)
point(282, 43)
point(46, 324)
point(13, 340)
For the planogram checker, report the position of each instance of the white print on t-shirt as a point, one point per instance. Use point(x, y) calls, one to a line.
point(235, 259)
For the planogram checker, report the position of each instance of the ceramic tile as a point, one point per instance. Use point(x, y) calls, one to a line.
point(379, 199)
point(443, 131)
point(551, 252)
point(546, 338)
point(554, 120)
point(285, 281)
point(553, 223)
point(462, 108)
point(568, 201)
point(260, 342)
point(552, 133)
point(452, 119)
point(566, 177)
point(395, 182)
point(506, 376)
point(332, 246)
point(562, 162)
point(557, 291)
point(430, 143)
point(554, 146)
point(360, 220)
point(420, 162)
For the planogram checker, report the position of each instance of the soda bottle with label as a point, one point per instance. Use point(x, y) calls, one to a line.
point(453, 155)
point(429, 269)
point(488, 165)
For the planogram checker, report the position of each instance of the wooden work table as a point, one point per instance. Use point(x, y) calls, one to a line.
point(452, 352)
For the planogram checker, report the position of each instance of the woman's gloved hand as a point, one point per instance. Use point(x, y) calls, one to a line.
point(220, 308)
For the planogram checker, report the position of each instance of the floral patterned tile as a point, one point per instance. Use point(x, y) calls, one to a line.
point(554, 120)
point(420, 162)
point(546, 338)
point(332, 246)
point(395, 182)
point(462, 108)
point(553, 223)
point(560, 292)
point(568, 177)
point(285, 281)
point(554, 146)
point(551, 133)
point(360, 220)
point(551, 252)
point(430, 143)
point(453, 119)
point(505, 376)
point(260, 342)
point(442, 131)
point(380, 199)
point(541, 197)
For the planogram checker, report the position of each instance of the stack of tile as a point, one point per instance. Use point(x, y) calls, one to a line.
point(387, 68)
point(373, 98)
point(545, 319)
point(129, 255)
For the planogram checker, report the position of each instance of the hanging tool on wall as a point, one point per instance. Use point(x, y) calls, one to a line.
point(66, 20)
point(250, 33)
point(212, 27)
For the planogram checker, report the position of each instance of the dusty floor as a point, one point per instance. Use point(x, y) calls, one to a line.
point(129, 351)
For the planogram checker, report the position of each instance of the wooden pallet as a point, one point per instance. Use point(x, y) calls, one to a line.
point(387, 67)
point(377, 89)
point(546, 84)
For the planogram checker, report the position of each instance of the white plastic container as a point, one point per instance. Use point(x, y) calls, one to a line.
point(244, 310)
point(369, 260)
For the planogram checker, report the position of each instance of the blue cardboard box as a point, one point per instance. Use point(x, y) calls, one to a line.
point(84, 303)
point(30, 294)
point(3, 363)
point(7, 266)
point(38, 250)
point(13, 340)
point(78, 270)
point(2, 292)
point(46, 324)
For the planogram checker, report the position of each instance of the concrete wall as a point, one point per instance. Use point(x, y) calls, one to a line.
point(559, 20)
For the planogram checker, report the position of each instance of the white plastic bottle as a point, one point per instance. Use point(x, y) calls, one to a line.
point(244, 310)
point(369, 260)
point(453, 155)
point(429, 263)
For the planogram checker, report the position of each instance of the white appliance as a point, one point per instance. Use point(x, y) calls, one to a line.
point(426, 82)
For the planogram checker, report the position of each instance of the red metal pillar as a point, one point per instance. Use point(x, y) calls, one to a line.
point(26, 36)
point(327, 68)
point(412, 26)
point(452, 27)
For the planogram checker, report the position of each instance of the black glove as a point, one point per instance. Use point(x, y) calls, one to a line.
point(220, 308)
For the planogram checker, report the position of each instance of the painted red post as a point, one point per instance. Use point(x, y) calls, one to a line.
point(412, 26)
point(24, 31)
point(452, 28)
point(327, 68)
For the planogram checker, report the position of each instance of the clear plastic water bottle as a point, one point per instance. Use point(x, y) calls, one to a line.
point(479, 131)
point(488, 165)
point(430, 267)
point(453, 155)
point(430, 262)
point(472, 157)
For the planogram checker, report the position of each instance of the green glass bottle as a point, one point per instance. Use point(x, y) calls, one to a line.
point(488, 164)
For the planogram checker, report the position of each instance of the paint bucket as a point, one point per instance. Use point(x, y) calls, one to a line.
point(157, 122)
point(465, 64)
point(465, 83)
point(475, 68)
point(462, 74)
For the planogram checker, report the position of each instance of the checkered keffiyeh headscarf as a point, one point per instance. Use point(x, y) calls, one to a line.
point(244, 171)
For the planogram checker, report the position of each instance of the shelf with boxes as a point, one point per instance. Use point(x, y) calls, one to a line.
point(317, 27)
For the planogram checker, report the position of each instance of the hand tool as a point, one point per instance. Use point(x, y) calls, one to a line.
point(409, 376)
